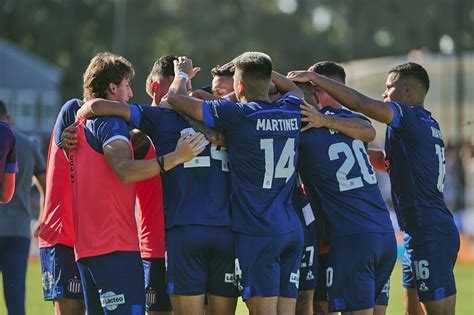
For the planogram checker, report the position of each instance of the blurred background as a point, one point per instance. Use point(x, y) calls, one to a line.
point(46, 45)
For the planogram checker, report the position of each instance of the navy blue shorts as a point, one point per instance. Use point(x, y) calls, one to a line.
point(359, 267)
point(429, 261)
point(200, 260)
point(156, 298)
point(268, 265)
point(309, 261)
point(321, 292)
point(61, 277)
point(113, 283)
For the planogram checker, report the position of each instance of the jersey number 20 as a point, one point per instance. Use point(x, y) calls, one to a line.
point(358, 149)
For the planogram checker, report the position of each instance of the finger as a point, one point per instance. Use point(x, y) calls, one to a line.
point(308, 126)
point(232, 69)
point(197, 138)
point(305, 119)
point(196, 70)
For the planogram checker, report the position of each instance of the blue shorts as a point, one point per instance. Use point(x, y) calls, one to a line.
point(268, 265)
point(60, 274)
point(156, 298)
point(200, 260)
point(113, 283)
point(309, 261)
point(13, 260)
point(429, 260)
point(321, 292)
point(359, 267)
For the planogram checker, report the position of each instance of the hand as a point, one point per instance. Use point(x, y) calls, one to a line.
point(300, 76)
point(312, 116)
point(189, 146)
point(36, 228)
point(185, 64)
point(69, 137)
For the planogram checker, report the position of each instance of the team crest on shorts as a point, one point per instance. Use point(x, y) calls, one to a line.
point(111, 301)
point(150, 296)
point(48, 280)
point(229, 278)
point(423, 286)
point(295, 278)
point(74, 285)
point(309, 276)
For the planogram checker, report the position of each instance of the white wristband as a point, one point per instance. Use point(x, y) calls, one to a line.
point(182, 74)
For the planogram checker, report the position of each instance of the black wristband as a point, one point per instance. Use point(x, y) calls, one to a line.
point(161, 162)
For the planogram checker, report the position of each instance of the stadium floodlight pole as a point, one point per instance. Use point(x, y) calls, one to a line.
point(459, 100)
point(120, 21)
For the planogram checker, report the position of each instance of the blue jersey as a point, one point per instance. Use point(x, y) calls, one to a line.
point(415, 152)
point(336, 170)
point(198, 191)
point(66, 117)
point(262, 138)
point(8, 162)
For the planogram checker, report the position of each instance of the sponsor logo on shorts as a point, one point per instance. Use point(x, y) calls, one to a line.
point(74, 285)
point(386, 288)
point(423, 286)
point(309, 276)
point(229, 278)
point(111, 301)
point(48, 280)
point(295, 278)
point(150, 296)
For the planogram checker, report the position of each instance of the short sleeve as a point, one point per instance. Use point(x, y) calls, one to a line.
point(7, 149)
point(65, 118)
point(404, 118)
point(292, 99)
point(221, 113)
point(109, 129)
point(145, 117)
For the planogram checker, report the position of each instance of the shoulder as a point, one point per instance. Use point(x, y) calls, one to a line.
point(71, 105)
point(291, 99)
point(5, 129)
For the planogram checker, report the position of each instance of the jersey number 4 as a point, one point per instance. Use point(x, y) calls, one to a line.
point(285, 166)
point(358, 149)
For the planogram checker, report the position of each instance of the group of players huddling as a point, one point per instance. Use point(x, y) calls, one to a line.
point(262, 185)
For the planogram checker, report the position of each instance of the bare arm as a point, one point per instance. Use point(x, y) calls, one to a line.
point(355, 128)
point(8, 187)
point(40, 182)
point(284, 85)
point(102, 107)
point(348, 97)
point(179, 99)
point(118, 155)
point(214, 136)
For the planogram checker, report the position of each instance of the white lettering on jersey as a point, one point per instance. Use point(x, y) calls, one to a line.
point(277, 124)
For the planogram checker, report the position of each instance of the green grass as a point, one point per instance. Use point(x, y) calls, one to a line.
point(464, 277)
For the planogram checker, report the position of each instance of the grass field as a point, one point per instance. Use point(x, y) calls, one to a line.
point(464, 276)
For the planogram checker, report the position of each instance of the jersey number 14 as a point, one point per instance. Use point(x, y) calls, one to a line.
point(285, 166)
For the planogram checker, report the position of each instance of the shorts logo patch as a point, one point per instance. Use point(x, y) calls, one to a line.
point(309, 276)
point(386, 288)
point(229, 278)
point(48, 280)
point(111, 301)
point(74, 285)
point(423, 286)
point(150, 296)
point(295, 278)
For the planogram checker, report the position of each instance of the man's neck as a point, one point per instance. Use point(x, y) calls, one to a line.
point(252, 98)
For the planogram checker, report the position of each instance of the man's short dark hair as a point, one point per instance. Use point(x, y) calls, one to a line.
point(255, 69)
point(3, 109)
point(308, 91)
point(162, 68)
point(329, 69)
point(414, 71)
point(223, 71)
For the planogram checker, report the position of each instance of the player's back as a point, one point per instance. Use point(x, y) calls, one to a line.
point(336, 171)
point(198, 191)
point(416, 154)
point(262, 149)
point(56, 224)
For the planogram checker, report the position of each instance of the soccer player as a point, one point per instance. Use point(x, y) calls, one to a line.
point(222, 80)
point(335, 170)
point(197, 238)
point(413, 135)
point(15, 218)
point(8, 165)
point(60, 276)
point(110, 266)
point(262, 137)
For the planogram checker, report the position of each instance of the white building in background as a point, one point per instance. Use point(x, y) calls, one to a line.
point(30, 88)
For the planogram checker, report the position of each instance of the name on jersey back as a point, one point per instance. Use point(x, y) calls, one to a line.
point(277, 124)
